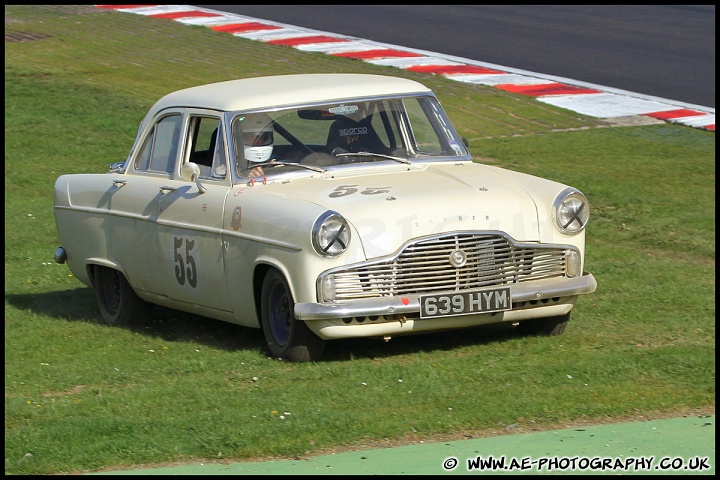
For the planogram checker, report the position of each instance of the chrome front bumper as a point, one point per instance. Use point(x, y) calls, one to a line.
point(410, 304)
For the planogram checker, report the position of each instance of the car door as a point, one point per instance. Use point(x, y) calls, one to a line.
point(190, 218)
point(134, 203)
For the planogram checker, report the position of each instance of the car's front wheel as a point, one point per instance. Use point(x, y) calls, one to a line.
point(286, 336)
point(118, 302)
point(549, 326)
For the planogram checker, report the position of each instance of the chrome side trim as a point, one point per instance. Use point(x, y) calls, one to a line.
point(405, 304)
point(186, 226)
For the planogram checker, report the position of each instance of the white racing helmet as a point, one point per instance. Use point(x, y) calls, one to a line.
point(257, 137)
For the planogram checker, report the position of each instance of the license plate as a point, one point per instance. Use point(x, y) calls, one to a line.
point(465, 303)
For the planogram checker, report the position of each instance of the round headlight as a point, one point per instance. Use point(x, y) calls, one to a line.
point(571, 211)
point(331, 234)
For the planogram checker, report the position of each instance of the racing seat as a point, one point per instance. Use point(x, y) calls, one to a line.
point(353, 136)
point(207, 157)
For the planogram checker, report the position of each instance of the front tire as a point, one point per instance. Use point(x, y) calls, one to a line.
point(119, 304)
point(549, 326)
point(286, 336)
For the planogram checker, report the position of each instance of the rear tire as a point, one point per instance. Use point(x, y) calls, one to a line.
point(119, 304)
point(286, 336)
point(549, 326)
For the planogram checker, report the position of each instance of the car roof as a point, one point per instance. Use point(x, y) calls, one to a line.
point(283, 90)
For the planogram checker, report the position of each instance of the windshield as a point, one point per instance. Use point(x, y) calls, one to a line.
point(325, 136)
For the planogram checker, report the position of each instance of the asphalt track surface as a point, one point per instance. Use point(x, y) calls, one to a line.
point(677, 446)
point(666, 51)
point(619, 107)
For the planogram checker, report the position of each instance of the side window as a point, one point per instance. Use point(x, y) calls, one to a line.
point(142, 162)
point(206, 148)
point(159, 151)
point(426, 140)
point(167, 134)
point(219, 166)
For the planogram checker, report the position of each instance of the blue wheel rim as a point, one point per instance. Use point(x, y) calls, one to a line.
point(280, 314)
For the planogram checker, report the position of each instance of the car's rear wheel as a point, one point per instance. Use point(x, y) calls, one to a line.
point(549, 326)
point(286, 336)
point(118, 302)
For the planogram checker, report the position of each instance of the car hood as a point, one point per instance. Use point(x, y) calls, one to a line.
point(390, 205)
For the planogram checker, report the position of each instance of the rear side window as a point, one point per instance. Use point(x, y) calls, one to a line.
point(159, 151)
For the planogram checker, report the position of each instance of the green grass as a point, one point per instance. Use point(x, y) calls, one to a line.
point(80, 396)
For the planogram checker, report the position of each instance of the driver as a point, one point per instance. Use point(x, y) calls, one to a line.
point(257, 141)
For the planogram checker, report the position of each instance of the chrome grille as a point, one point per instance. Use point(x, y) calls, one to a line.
point(424, 267)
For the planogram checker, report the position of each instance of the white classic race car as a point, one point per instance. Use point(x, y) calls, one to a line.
point(320, 207)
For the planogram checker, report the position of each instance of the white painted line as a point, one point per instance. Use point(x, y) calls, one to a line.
point(407, 62)
point(606, 105)
point(493, 79)
point(325, 47)
point(341, 47)
point(212, 21)
point(158, 9)
point(695, 121)
point(270, 35)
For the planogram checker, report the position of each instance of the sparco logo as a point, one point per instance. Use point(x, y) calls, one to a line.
point(344, 132)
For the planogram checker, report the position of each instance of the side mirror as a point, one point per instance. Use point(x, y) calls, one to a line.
point(465, 142)
point(117, 167)
point(191, 173)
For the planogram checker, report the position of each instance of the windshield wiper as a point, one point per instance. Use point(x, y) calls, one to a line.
point(275, 163)
point(371, 154)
